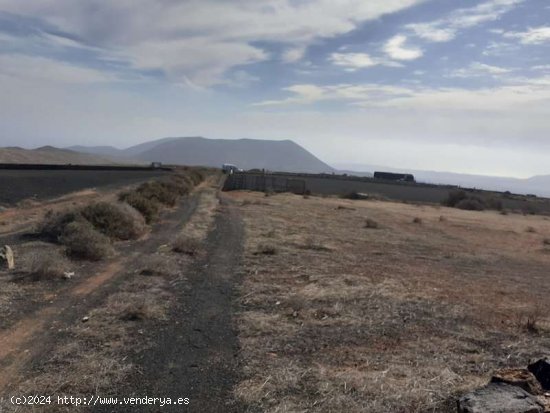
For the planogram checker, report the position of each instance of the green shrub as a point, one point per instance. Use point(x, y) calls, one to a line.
point(84, 242)
point(119, 221)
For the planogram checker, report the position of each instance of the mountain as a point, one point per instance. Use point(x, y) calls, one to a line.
point(538, 185)
point(283, 155)
point(245, 153)
point(108, 151)
point(50, 155)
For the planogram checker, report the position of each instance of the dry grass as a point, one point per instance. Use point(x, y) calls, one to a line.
point(187, 245)
point(371, 223)
point(402, 319)
point(89, 357)
point(48, 266)
point(202, 220)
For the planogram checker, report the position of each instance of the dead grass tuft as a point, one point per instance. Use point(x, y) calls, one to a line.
point(48, 266)
point(371, 223)
point(187, 245)
point(266, 249)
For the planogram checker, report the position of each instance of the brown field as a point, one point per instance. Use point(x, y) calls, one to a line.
point(245, 302)
point(401, 315)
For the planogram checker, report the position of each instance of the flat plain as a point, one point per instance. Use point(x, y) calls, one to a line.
point(383, 306)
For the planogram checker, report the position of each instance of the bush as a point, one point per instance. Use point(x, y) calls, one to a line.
point(158, 191)
point(355, 195)
point(187, 245)
point(417, 220)
point(494, 203)
point(454, 197)
point(84, 242)
point(48, 266)
point(471, 204)
point(371, 223)
point(119, 221)
point(266, 249)
point(54, 224)
point(147, 207)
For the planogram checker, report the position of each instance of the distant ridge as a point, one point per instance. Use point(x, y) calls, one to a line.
point(50, 155)
point(284, 155)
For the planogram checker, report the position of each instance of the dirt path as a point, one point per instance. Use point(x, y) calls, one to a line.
point(195, 355)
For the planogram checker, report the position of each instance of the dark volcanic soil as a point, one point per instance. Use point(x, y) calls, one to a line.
point(195, 354)
point(16, 185)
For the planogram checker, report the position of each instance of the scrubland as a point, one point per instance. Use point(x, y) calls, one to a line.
point(384, 307)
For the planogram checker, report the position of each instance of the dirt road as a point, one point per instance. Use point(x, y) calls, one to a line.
point(195, 354)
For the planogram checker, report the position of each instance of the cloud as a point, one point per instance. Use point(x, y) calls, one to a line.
point(446, 29)
point(537, 35)
point(200, 40)
point(431, 32)
point(294, 54)
point(477, 69)
point(531, 94)
point(395, 48)
point(17, 66)
point(354, 61)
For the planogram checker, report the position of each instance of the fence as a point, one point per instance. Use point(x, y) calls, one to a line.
point(264, 183)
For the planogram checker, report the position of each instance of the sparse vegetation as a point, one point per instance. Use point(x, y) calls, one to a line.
point(342, 327)
point(354, 195)
point(266, 249)
point(471, 204)
point(462, 200)
point(149, 208)
point(116, 220)
point(48, 266)
point(371, 223)
point(187, 245)
point(82, 241)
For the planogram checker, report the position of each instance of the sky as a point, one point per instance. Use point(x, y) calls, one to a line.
point(448, 85)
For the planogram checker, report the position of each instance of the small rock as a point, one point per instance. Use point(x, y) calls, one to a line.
point(67, 275)
point(518, 377)
point(499, 398)
point(6, 255)
point(541, 370)
point(85, 319)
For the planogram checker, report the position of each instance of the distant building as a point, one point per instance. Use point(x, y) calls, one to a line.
point(390, 176)
point(156, 165)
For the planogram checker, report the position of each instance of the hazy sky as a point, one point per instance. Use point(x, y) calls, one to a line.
point(455, 85)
